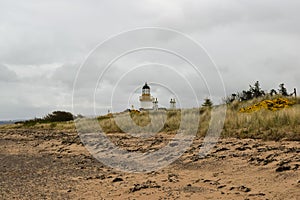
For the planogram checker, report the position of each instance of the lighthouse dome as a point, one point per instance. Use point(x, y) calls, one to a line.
point(146, 86)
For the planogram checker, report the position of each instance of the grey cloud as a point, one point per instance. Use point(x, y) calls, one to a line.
point(59, 31)
point(211, 15)
point(66, 74)
point(7, 75)
point(249, 40)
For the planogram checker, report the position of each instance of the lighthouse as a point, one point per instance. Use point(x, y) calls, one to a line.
point(146, 99)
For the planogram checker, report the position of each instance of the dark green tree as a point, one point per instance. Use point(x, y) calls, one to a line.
point(245, 95)
point(282, 90)
point(207, 103)
point(273, 92)
point(256, 90)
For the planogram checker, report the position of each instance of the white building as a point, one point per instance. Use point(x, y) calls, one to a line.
point(146, 99)
point(155, 104)
point(172, 104)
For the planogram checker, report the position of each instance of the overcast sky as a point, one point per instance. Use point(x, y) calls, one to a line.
point(43, 43)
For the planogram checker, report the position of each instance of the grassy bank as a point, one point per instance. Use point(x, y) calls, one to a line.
point(261, 124)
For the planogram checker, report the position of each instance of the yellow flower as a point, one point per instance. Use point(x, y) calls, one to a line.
point(272, 105)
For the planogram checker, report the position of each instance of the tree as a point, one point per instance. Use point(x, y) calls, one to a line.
point(273, 92)
point(245, 95)
point(282, 90)
point(256, 90)
point(207, 103)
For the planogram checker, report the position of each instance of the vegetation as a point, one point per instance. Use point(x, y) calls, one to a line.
point(207, 103)
point(271, 116)
point(263, 124)
point(272, 105)
point(56, 116)
point(250, 114)
point(255, 92)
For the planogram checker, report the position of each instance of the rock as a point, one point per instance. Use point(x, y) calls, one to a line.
point(258, 194)
point(292, 150)
point(262, 149)
point(241, 188)
point(221, 186)
point(173, 144)
point(195, 158)
point(102, 176)
point(244, 189)
point(296, 166)
point(221, 157)
point(172, 178)
point(192, 189)
point(222, 149)
point(283, 168)
point(267, 161)
point(284, 162)
point(117, 179)
point(242, 148)
point(256, 145)
point(147, 184)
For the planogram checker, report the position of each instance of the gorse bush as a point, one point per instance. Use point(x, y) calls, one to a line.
point(272, 105)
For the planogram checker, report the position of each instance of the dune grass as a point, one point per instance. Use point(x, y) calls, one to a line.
point(69, 125)
point(261, 124)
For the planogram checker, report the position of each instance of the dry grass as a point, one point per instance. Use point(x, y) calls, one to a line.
point(51, 125)
point(262, 124)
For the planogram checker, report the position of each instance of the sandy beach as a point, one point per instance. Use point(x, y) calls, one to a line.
point(49, 164)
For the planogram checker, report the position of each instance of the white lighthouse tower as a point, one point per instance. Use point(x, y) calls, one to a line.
point(146, 99)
